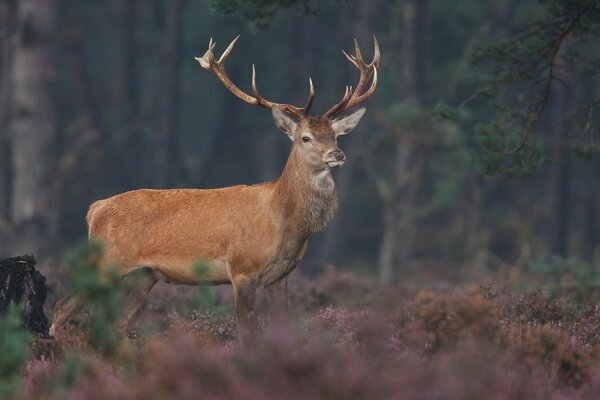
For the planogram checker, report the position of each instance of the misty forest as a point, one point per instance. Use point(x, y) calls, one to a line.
point(462, 260)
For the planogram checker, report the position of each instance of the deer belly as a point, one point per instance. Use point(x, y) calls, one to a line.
point(191, 273)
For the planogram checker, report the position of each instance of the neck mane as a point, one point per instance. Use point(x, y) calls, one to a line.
point(305, 197)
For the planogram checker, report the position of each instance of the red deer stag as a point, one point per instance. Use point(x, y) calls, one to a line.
point(245, 235)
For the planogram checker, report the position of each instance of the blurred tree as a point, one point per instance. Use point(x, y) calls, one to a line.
point(591, 219)
point(34, 205)
point(131, 72)
point(117, 100)
point(167, 155)
point(260, 13)
point(91, 132)
point(560, 172)
point(412, 146)
point(522, 71)
point(225, 125)
point(591, 222)
point(5, 57)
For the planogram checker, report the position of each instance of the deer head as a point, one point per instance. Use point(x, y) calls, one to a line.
point(314, 137)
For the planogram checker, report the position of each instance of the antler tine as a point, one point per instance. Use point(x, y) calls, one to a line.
point(366, 72)
point(311, 97)
point(349, 100)
point(255, 91)
point(359, 99)
point(376, 53)
point(359, 58)
point(208, 62)
point(336, 109)
point(351, 58)
point(228, 50)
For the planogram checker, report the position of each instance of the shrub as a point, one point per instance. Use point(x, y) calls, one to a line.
point(570, 275)
point(102, 296)
point(14, 342)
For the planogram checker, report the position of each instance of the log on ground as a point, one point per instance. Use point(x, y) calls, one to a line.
point(21, 284)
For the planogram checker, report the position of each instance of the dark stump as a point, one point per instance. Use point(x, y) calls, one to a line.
point(23, 285)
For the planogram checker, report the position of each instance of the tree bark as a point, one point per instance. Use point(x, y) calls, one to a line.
point(22, 285)
point(412, 146)
point(166, 156)
point(34, 211)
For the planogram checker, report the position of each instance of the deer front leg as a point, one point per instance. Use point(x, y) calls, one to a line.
point(245, 294)
point(277, 300)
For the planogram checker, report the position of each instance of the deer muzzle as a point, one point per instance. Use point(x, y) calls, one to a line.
point(335, 158)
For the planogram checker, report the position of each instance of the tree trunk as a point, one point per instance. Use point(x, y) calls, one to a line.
point(475, 238)
point(84, 81)
point(132, 96)
point(22, 285)
point(400, 208)
point(94, 133)
point(412, 145)
point(166, 156)
point(560, 173)
point(34, 211)
point(591, 223)
point(5, 57)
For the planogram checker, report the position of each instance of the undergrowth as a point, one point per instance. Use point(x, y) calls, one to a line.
point(347, 340)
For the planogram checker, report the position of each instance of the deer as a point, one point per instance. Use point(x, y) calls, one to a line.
point(246, 235)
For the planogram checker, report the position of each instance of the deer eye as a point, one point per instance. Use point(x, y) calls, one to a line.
point(305, 139)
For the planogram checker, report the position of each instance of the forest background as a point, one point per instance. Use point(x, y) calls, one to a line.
point(477, 156)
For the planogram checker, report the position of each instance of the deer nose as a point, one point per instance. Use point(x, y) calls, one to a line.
point(337, 154)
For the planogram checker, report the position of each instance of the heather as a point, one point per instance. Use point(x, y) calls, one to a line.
point(348, 339)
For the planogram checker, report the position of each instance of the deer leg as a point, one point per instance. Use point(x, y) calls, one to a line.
point(65, 309)
point(138, 285)
point(277, 300)
point(245, 294)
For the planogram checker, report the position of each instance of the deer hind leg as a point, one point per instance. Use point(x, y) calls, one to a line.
point(66, 309)
point(244, 290)
point(277, 301)
point(137, 285)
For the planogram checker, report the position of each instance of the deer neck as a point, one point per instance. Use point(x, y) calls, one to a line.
point(304, 197)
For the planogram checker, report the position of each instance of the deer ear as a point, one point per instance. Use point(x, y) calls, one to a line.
point(344, 125)
point(284, 122)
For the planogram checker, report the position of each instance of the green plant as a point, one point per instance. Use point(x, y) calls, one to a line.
point(204, 297)
point(569, 275)
point(14, 342)
point(101, 292)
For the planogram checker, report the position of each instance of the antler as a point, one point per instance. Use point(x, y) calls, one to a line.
point(217, 67)
point(352, 98)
